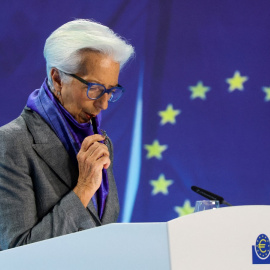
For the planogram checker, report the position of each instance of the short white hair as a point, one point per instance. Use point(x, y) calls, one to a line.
point(63, 46)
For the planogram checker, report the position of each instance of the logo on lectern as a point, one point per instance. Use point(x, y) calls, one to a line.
point(261, 250)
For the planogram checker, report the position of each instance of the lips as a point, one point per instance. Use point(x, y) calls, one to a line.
point(89, 116)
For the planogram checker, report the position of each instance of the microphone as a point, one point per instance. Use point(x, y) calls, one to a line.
point(95, 130)
point(209, 195)
point(94, 124)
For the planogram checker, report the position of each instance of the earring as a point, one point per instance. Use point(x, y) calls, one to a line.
point(58, 93)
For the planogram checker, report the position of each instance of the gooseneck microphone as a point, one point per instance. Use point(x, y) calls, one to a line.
point(209, 195)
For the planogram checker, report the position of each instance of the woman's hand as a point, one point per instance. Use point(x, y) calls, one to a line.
point(92, 158)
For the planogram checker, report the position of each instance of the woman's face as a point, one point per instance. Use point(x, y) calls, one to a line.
point(97, 68)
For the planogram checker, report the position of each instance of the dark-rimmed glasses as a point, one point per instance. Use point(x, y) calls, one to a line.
point(96, 90)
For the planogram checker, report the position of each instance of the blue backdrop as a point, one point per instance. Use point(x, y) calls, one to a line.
point(197, 106)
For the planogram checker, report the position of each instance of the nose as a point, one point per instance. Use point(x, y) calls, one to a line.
point(102, 102)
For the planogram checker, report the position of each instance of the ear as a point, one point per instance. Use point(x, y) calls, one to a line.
point(56, 80)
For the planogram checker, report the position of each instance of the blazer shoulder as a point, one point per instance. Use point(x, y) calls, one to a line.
point(27, 129)
point(13, 129)
point(15, 138)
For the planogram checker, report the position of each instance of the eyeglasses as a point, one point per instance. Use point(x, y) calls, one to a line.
point(96, 90)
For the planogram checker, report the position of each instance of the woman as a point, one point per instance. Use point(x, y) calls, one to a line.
point(55, 173)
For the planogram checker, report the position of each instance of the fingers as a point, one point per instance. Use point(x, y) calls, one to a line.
point(92, 158)
point(97, 149)
point(88, 141)
point(92, 151)
point(102, 162)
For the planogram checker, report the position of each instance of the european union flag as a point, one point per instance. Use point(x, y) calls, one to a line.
point(197, 103)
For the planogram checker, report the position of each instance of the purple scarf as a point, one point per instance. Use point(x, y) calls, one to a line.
point(69, 131)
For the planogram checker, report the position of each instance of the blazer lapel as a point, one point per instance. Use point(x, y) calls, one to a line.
point(111, 210)
point(56, 158)
point(93, 212)
point(50, 148)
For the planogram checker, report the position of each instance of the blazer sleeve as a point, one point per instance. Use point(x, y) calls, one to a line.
point(19, 221)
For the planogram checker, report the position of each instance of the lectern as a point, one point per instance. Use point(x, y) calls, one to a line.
point(222, 239)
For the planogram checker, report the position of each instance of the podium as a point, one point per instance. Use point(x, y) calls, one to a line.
point(218, 239)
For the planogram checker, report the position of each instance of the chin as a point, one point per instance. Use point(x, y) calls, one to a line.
point(83, 121)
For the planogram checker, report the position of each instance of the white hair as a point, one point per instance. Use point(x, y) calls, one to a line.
point(63, 46)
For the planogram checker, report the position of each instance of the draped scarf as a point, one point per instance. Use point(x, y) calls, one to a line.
point(69, 131)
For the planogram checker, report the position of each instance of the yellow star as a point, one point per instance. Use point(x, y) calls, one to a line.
point(236, 82)
point(185, 209)
point(155, 149)
point(168, 116)
point(199, 90)
point(160, 185)
point(267, 92)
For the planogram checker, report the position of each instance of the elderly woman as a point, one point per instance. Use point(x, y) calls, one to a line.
point(55, 162)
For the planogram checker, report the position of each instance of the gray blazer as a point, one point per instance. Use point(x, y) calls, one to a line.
point(36, 182)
